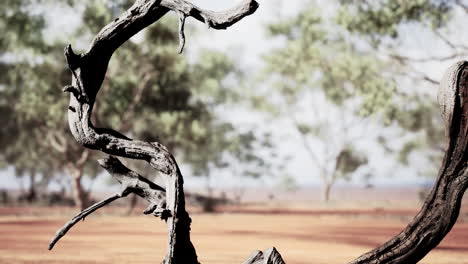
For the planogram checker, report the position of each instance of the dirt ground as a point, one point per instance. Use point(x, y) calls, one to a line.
point(301, 237)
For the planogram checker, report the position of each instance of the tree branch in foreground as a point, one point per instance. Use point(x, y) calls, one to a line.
point(131, 183)
point(88, 72)
point(442, 207)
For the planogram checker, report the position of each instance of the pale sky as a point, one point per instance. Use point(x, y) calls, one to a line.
point(245, 42)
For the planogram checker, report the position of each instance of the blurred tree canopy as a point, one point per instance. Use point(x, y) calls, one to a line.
point(150, 92)
point(380, 24)
point(321, 70)
point(382, 17)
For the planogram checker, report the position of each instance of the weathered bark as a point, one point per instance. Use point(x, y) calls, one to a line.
point(88, 71)
point(440, 210)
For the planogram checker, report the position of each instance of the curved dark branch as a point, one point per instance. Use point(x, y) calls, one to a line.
point(131, 182)
point(442, 207)
point(81, 216)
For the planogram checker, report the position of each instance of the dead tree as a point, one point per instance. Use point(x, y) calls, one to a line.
point(88, 71)
point(435, 220)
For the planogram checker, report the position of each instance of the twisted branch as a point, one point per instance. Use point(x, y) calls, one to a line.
point(88, 72)
point(442, 207)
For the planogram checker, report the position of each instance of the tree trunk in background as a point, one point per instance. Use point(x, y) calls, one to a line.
point(208, 204)
point(31, 196)
point(80, 196)
point(326, 189)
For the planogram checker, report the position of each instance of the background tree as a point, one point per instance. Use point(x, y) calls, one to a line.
point(398, 31)
point(321, 71)
point(153, 92)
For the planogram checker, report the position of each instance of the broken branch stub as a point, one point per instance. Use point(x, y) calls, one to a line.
point(269, 256)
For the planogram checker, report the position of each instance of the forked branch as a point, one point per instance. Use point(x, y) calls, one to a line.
point(88, 71)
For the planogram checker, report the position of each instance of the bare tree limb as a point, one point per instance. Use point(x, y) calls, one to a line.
point(88, 72)
point(182, 17)
point(131, 183)
point(442, 207)
point(216, 20)
point(81, 216)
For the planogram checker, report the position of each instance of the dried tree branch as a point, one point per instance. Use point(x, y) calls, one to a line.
point(131, 183)
point(216, 20)
point(442, 207)
point(182, 18)
point(141, 186)
point(81, 216)
point(88, 72)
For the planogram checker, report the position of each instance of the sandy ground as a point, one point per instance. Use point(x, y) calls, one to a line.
point(301, 237)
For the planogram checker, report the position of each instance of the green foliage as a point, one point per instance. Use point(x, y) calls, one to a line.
point(348, 161)
point(383, 17)
point(150, 91)
point(322, 57)
point(421, 117)
point(19, 26)
point(379, 21)
point(25, 89)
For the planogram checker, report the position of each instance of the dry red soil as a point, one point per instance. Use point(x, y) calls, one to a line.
point(300, 236)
